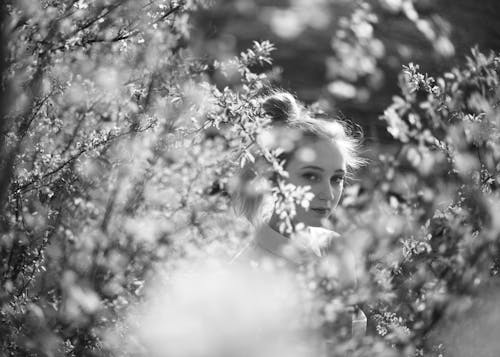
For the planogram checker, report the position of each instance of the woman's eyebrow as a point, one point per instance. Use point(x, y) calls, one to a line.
point(312, 167)
point(339, 171)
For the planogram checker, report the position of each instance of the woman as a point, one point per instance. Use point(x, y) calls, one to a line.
point(316, 154)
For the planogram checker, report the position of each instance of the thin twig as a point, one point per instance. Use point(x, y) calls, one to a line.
point(22, 189)
point(168, 13)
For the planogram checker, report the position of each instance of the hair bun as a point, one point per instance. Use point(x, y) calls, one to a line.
point(281, 107)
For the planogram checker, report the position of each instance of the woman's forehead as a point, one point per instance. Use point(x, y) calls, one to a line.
point(322, 153)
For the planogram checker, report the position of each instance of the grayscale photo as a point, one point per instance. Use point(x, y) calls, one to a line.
point(249, 178)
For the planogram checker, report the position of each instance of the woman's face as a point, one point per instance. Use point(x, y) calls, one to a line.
point(320, 165)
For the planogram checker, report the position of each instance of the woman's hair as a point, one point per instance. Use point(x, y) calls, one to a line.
point(288, 116)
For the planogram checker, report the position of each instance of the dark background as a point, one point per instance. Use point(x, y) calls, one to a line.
point(302, 53)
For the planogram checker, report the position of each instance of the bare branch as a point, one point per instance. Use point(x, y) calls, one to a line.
point(110, 207)
point(114, 39)
point(168, 13)
point(107, 10)
point(25, 125)
point(24, 188)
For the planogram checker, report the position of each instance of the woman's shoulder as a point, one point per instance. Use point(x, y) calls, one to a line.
point(255, 256)
point(245, 255)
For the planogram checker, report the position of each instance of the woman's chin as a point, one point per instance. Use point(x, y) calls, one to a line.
point(316, 222)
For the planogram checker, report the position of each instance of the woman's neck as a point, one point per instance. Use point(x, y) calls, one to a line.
point(274, 224)
point(296, 249)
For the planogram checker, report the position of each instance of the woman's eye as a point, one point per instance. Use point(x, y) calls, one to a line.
point(337, 179)
point(311, 177)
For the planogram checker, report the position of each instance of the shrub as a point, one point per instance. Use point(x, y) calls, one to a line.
point(117, 153)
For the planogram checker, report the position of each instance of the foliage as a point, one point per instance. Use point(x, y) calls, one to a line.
point(118, 153)
point(346, 55)
point(445, 184)
point(95, 180)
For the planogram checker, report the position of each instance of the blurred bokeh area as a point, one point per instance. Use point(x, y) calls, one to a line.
point(125, 129)
point(347, 55)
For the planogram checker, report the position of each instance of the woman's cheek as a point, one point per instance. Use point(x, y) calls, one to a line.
point(339, 194)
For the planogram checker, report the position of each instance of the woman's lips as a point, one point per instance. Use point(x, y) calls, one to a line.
point(321, 211)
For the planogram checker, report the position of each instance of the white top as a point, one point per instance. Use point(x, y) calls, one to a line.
point(269, 246)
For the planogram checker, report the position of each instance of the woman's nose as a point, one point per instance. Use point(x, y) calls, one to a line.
point(326, 193)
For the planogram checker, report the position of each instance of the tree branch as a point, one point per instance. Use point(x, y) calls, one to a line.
point(168, 13)
point(107, 10)
point(23, 188)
